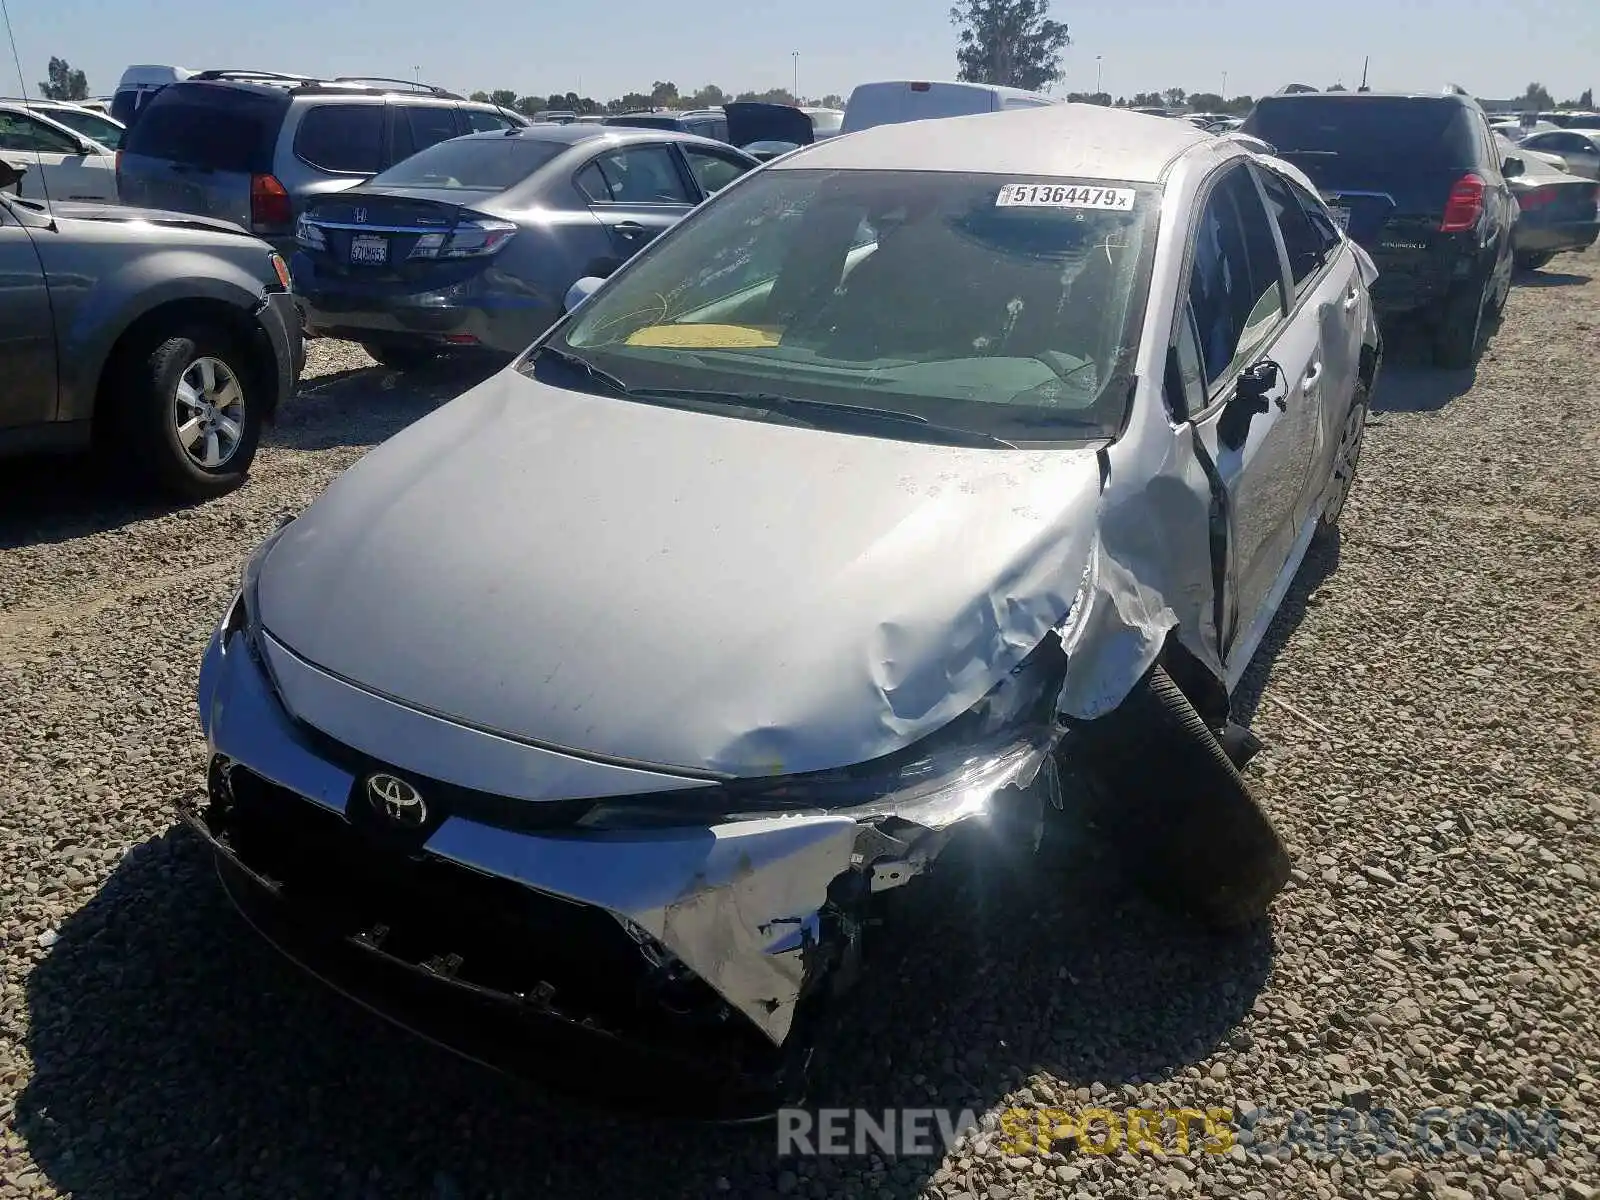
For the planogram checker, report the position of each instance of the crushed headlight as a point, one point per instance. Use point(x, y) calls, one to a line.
point(947, 777)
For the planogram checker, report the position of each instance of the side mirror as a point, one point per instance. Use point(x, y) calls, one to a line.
point(11, 174)
point(581, 291)
point(1249, 400)
point(1512, 167)
point(1258, 380)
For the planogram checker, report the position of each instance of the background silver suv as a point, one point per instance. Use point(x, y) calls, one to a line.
point(253, 147)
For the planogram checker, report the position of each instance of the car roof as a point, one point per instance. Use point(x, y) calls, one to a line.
point(1456, 97)
point(575, 133)
point(1058, 140)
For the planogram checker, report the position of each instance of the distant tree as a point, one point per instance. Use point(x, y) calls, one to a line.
point(1176, 96)
point(834, 100)
point(1587, 99)
point(64, 83)
point(504, 97)
point(1012, 43)
point(526, 105)
point(1207, 102)
point(707, 97)
point(628, 102)
point(663, 95)
point(1239, 105)
point(1536, 97)
point(770, 96)
point(1147, 100)
point(480, 97)
point(1338, 87)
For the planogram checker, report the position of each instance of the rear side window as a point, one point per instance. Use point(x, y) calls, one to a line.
point(1301, 241)
point(481, 121)
point(202, 125)
point(1420, 132)
point(634, 175)
point(1235, 285)
point(418, 126)
point(346, 139)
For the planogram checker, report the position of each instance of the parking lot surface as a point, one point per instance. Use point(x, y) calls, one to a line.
point(1429, 697)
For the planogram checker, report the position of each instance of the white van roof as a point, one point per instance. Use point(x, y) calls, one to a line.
point(890, 101)
point(153, 75)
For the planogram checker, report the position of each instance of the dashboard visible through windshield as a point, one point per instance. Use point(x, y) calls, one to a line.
point(1005, 306)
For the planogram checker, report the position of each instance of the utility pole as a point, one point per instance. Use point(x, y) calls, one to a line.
point(1096, 74)
point(1224, 85)
point(1367, 59)
point(795, 54)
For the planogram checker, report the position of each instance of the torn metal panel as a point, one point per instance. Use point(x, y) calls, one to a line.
point(737, 903)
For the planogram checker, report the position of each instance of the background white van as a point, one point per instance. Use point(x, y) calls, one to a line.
point(138, 84)
point(893, 101)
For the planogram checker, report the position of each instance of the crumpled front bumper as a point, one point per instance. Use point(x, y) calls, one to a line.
point(716, 930)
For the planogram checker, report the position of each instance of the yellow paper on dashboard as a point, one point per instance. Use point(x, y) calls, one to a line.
point(706, 337)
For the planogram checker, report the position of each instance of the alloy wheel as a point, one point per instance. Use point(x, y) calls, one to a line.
point(208, 412)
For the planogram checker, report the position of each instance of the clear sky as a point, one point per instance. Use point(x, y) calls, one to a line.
point(603, 48)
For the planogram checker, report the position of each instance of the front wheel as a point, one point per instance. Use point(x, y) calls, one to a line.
point(191, 413)
point(1176, 810)
point(1531, 260)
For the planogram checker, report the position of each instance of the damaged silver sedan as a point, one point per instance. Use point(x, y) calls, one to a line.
point(924, 484)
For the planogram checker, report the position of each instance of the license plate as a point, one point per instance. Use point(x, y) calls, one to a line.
point(1341, 218)
point(369, 248)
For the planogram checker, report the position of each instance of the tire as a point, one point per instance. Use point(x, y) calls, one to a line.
point(191, 413)
point(1532, 260)
point(1346, 463)
point(1175, 809)
point(400, 356)
point(1460, 325)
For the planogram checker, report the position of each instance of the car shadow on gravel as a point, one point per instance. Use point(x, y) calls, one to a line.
point(1545, 279)
point(1320, 563)
point(55, 498)
point(1408, 380)
point(366, 405)
point(176, 1054)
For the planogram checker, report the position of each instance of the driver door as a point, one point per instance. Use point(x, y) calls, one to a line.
point(1233, 330)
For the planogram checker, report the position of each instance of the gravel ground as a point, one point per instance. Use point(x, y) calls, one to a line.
point(1433, 756)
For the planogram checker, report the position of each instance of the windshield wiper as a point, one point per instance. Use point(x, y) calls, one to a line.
point(578, 363)
point(803, 408)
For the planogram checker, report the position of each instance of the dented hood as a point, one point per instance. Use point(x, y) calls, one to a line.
point(679, 589)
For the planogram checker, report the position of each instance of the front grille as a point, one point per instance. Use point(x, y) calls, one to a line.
point(380, 892)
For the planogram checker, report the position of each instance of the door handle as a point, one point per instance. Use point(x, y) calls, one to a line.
point(629, 229)
point(1308, 380)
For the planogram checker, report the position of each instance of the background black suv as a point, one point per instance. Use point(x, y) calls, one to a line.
point(1419, 182)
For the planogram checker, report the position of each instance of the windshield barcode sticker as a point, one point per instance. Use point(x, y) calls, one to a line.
point(1062, 195)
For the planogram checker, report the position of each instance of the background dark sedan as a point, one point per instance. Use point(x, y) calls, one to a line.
point(1558, 213)
point(472, 243)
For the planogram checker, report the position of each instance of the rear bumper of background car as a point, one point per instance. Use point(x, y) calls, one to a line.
point(1556, 237)
point(493, 927)
point(486, 311)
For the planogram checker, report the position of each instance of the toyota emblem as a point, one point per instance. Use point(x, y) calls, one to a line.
point(397, 800)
